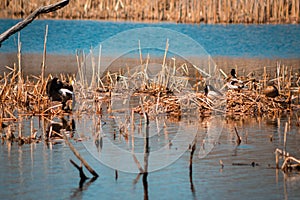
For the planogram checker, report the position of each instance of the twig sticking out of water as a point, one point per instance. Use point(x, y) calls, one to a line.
point(116, 174)
point(284, 139)
point(289, 163)
point(76, 153)
point(238, 139)
point(222, 164)
point(82, 176)
point(298, 120)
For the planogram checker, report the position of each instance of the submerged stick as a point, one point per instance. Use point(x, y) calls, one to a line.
point(22, 24)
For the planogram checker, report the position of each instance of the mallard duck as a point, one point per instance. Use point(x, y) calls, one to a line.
point(234, 82)
point(63, 92)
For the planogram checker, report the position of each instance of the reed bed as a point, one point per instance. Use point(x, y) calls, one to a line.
point(175, 91)
point(24, 98)
point(170, 92)
point(189, 11)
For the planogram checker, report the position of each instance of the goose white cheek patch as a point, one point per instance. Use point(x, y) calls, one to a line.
point(64, 92)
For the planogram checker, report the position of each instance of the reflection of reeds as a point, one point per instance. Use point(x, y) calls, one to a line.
point(207, 11)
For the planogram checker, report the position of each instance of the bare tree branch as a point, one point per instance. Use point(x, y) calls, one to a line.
point(41, 10)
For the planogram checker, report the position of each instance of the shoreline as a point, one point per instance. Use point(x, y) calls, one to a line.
point(67, 64)
point(41, 17)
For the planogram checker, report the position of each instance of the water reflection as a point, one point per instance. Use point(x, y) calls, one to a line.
point(78, 192)
point(58, 124)
point(124, 140)
point(28, 168)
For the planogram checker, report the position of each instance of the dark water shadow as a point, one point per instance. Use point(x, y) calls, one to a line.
point(83, 185)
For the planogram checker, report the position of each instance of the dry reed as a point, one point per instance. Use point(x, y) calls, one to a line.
point(190, 11)
point(159, 95)
point(163, 93)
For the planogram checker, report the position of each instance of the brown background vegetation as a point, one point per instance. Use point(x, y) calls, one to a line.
point(181, 11)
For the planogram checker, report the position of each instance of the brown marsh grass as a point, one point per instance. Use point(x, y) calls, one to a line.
point(190, 11)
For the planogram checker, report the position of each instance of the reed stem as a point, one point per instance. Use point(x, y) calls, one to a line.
point(44, 53)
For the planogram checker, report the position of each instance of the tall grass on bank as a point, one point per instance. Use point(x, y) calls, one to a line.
point(181, 11)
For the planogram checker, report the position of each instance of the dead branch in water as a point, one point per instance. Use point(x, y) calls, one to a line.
point(22, 24)
point(81, 173)
point(238, 139)
point(76, 153)
point(289, 162)
point(192, 148)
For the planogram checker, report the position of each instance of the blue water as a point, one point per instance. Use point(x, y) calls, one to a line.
point(65, 36)
point(44, 172)
point(41, 171)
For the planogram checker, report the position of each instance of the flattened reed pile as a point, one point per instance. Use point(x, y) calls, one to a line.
point(189, 11)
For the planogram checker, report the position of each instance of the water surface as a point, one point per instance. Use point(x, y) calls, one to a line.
point(43, 171)
point(235, 40)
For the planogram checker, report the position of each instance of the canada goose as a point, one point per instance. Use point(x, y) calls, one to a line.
point(271, 91)
point(212, 93)
point(58, 91)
